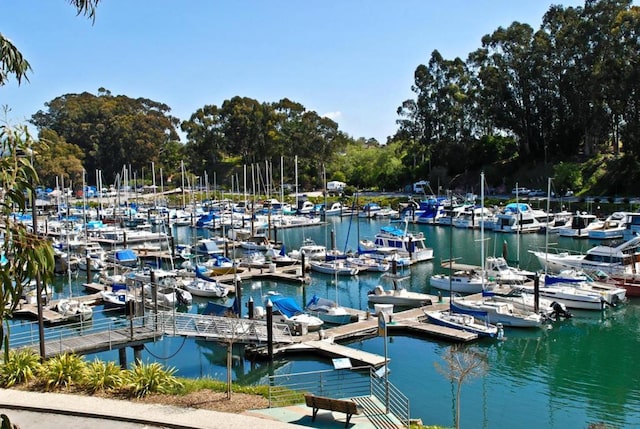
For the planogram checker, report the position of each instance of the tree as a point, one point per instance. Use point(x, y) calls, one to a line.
point(55, 158)
point(462, 364)
point(112, 131)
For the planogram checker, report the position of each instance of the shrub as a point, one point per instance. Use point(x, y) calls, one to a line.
point(64, 370)
point(143, 379)
point(103, 376)
point(20, 368)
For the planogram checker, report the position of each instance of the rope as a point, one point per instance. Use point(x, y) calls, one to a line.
point(184, 340)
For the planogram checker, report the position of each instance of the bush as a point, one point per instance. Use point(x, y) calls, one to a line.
point(21, 367)
point(103, 376)
point(143, 379)
point(64, 370)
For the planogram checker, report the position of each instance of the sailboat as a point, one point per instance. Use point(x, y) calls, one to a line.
point(463, 321)
point(329, 311)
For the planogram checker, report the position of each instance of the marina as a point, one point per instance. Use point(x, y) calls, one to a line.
point(524, 358)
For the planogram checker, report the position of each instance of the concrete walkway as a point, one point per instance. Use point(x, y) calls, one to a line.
point(59, 410)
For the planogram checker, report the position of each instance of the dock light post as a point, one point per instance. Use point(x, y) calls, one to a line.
point(34, 219)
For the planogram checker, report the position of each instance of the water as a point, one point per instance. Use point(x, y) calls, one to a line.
point(580, 371)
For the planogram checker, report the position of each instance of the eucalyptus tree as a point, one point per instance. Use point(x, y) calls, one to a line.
point(505, 68)
point(113, 131)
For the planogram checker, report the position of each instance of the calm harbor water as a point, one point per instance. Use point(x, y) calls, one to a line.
point(576, 372)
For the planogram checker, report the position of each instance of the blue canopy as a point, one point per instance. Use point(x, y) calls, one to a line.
point(219, 308)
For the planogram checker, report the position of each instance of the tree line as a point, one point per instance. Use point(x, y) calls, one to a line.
point(557, 96)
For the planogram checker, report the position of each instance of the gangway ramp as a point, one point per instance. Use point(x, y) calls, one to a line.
point(248, 331)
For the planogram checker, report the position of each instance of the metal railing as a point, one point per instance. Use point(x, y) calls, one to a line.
point(27, 335)
point(288, 389)
point(397, 402)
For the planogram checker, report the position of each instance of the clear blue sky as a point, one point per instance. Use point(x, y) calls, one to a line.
point(351, 60)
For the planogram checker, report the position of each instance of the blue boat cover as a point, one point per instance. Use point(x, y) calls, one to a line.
point(219, 308)
point(125, 255)
point(287, 306)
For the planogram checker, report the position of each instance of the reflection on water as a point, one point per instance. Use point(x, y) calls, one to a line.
point(579, 371)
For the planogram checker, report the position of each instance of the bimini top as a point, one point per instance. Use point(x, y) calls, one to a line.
point(517, 207)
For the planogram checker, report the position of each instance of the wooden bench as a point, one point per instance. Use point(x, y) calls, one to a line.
point(340, 405)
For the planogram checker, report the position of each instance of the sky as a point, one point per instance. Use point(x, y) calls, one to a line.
point(350, 60)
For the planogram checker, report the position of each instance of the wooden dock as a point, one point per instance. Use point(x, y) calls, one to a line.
point(50, 316)
point(324, 341)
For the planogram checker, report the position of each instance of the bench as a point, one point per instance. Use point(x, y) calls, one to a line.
point(340, 405)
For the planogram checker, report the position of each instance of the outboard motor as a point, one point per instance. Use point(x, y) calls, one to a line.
point(559, 311)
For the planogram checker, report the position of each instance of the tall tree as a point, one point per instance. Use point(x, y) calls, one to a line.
point(112, 131)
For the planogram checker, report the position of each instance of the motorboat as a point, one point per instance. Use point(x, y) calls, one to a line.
point(460, 281)
point(613, 227)
point(398, 296)
point(366, 263)
point(333, 268)
point(205, 288)
point(289, 311)
point(123, 257)
point(463, 322)
point(310, 250)
point(219, 265)
point(581, 224)
point(328, 311)
point(74, 310)
point(497, 312)
point(611, 294)
point(406, 243)
point(620, 260)
point(497, 268)
point(116, 298)
point(517, 217)
point(280, 258)
point(526, 301)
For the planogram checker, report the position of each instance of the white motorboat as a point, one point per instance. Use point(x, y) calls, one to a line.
point(366, 263)
point(116, 298)
point(290, 312)
point(518, 217)
point(570, 296)
point(399, 296)
point(333, 268)
point(525, 301)
point(406, 243)
point(463, 322)
point(74, 310)
point(328, 311)
point(496, 267)
point(611, 294)
point(310, 250)
point(497, 312)
point(621, 260)
point(581, 224)
point(460, 281)
point(205, 288)
point(613, 227)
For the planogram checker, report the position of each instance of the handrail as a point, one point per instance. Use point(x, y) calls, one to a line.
point(359, 382)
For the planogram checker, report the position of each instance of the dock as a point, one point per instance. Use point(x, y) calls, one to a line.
point(325, 341)
point(50, 316)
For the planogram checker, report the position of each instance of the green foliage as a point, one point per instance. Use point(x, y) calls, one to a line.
point(32, 255)
point(21, 367)
point(188, 385)
point(567, 175)
point(103, 376)
point(145, 378)
point(63, 371)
